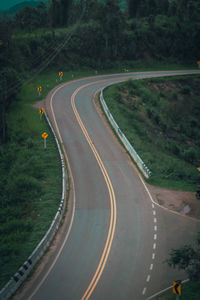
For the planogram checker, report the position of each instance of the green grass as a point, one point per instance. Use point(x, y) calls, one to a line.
point(189, 291)
point(33, 188)
point(162, 126)
point(36, 33)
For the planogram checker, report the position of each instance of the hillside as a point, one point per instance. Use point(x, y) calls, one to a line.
point(16, 8)
point(160, 117)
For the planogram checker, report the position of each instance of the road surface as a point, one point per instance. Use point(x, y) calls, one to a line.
point(119, 239)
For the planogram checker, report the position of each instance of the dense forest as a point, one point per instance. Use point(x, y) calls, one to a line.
point(94, 34)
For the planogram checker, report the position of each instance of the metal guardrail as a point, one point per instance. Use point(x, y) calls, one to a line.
point(145, 170)
point(15, 281)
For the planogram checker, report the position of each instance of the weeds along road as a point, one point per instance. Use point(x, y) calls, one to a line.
point(119, 238)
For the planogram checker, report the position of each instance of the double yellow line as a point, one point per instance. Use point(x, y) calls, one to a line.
point(113, 210)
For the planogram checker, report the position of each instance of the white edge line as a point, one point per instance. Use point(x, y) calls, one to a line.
point(144, 291)
point(73, 209)
point(162, 207)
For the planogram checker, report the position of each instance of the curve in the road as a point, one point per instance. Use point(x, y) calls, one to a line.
point(136, 201)
point(113, 210)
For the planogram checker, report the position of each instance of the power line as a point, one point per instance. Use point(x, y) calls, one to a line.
point(47, 60)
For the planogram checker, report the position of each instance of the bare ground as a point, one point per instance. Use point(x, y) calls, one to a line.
point(185, 203)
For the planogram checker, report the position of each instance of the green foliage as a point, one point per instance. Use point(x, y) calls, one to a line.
point(187, 258)
point(29, 194)
point(173, 95)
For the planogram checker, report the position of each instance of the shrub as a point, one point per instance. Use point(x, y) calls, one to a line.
point(172, 147)
point(131, 84)
point(173, 95)
point(190, 155)
point(23, 189)
point(118, 97)
point(186, 90)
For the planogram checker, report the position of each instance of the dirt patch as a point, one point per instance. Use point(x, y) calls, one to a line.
point(185, 203)
point(40, 104)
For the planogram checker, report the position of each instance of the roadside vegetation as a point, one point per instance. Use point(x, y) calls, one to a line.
point(160, 118)
point(186, 258)
point(30, 185)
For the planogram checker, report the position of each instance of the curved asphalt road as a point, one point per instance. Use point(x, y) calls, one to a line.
point(119, 238)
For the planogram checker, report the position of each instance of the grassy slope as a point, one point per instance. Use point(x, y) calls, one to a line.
point(160, 119)
point(33, 187)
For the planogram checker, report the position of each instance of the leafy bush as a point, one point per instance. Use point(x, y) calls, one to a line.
point(186, 90)
point(190, 155)
point(187, 258)
point(23, 189)
point(173, 95)
point(118, 97)
point(172, 147)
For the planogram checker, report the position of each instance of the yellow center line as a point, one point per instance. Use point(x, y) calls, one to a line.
point(113, 210)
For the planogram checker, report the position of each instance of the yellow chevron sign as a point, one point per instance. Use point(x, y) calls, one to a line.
point(177, 287)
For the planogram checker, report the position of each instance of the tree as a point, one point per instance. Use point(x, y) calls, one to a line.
point(65, 8)
point(9, 87)
point(59, 12)
point(54, 12)
point(133, 7)
point(187, 258)
point(112, 25)
point(42, 14)
point(26, 18)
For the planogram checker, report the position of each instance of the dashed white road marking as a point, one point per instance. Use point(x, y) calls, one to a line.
point(151, 266)
point(154, 212)
point(155, 237)
point(148, 278)
point(153, 255)
point(154, 246)
point(144, 291)
point(155, 220)
point(155, 228)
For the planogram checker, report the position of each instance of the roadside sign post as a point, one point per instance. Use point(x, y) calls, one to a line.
point(39, 89)
point(45, 135)
point(41, 112)
point(177, 288)
point(60, 75)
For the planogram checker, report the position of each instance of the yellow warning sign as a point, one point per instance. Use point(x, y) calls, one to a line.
point(177, 287)
point(44, 135)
